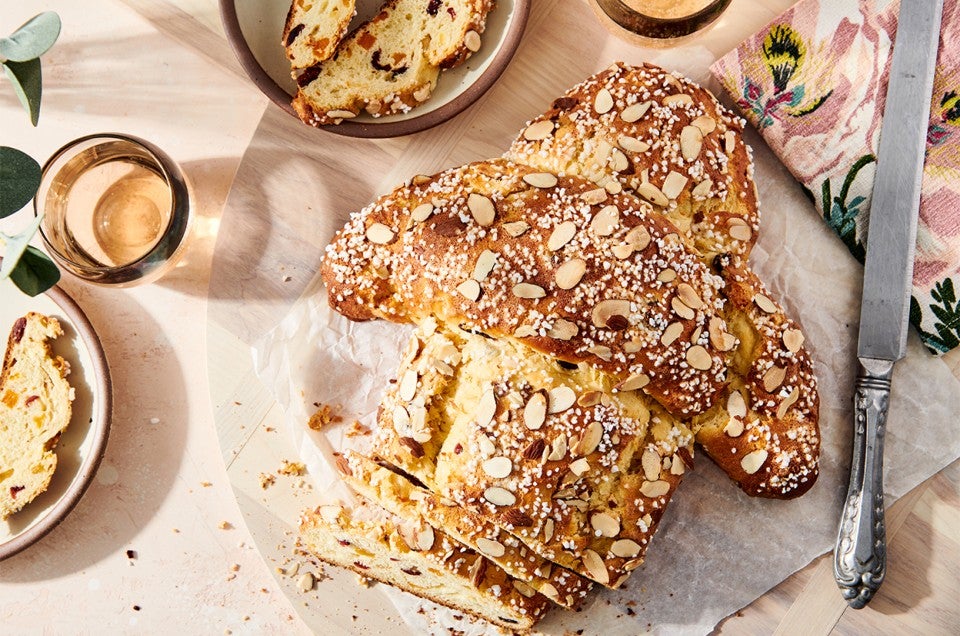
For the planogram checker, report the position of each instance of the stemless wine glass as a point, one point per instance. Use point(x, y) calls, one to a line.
point(116, 209)
point(661, 21)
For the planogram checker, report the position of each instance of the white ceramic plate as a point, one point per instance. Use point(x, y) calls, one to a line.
point(82, 445)
point(254, 28)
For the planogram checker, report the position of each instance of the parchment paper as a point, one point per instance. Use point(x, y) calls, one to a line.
point(716, 549)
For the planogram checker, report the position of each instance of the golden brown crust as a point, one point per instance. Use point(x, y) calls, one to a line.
point(400, 496)
point(640, 314)
point(382, 550)
point(654, 123)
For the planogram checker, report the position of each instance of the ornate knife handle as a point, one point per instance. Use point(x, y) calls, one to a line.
point(861, 553)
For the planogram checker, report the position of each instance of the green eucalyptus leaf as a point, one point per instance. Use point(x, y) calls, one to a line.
point(26, 80)
point(33, 39)
point(35, 273)
point(16, 246)
point(19, 180)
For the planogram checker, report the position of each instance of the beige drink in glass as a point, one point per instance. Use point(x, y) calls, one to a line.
point(116, 209)
point(660, 20)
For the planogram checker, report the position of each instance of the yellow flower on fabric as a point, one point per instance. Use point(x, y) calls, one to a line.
point(784, 51)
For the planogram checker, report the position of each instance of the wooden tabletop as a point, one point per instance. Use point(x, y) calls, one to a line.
point(158, 492)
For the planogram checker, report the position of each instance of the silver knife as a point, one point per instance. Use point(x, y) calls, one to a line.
point(860, 555)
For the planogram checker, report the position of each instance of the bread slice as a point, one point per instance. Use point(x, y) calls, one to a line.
point(661, 137)
point(35, 408)
point(313, 30)
point(416, 558)
point(391, 63)
point(535, 259)
point(399, 495)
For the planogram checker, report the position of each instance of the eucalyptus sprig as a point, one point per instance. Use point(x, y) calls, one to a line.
point(29, 268)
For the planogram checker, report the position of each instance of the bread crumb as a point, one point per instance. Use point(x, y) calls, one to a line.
point(305, 583)
point(225, 525)
point(292, 468)
point(205, 484)
point(235, 567)
point(323, 416)
point(358, 430)
point(266, 481)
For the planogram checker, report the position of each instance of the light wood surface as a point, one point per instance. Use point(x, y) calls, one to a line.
point(260, 266)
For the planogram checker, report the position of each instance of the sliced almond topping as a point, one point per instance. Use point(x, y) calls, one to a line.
point(654, 489)
point(580, 466)
point(540, 179)
point(469, 289)
point(671, 333)
point(632, 144)
point(736, 405)
point(547, 532)
point(789, 401)
point(589, 439)
point(729, 141)
point(603, 102)
point(632, 565)
point(408, 385)
point(525, 331)
point(689, 296)
point(569, 274)
point(425, 539)
point(650, 461)
point(538, 130)
point(680, 308)
point(558, 448)
point(605, 313)
point(487, 447)
point(482, 209)
point(593, 197)
point(401, 419)
point(667, 276)
point(486, 408)
point(691, 142)
point(702, 189)
point(605, 524)
point(535, 412)
point(752, 461)
point(739, 229)
point(563, 330)
point(341, 114)
point(634, 112)
point(497, 467)
point(652, 193)
point(719, 338)
point(522, 588)
point(560, 399)
point(601, 351)
point(422, 212)
point(793, 340)
point(773, 378)
point(561, 235)
point(595, 567)
point(590, 398)
point(635, 382)
point(682, 99)
point(673, 185)
point(529, 291)
point(638, 238)
point(699, 358)
point(484, 264)
point(618, 161)
point(677, 467)
point(625, 548)
point(623, 251)
point(705, 123)
point(606, 221)
point(734, 427)
point(380, 234)
point(516, 228)
point(499, 496)
point(471, 40)
point(765, 304)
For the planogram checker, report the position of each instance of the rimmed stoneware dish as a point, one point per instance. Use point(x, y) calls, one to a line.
point(83, 443)
point(254, 29)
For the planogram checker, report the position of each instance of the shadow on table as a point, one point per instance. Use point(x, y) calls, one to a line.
point(147, 440)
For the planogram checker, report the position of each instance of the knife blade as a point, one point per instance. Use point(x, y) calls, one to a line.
point(860, 553)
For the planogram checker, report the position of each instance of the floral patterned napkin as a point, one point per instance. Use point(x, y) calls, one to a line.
point(814, 83)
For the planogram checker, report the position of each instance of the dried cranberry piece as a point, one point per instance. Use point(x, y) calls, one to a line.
point(18, 328)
